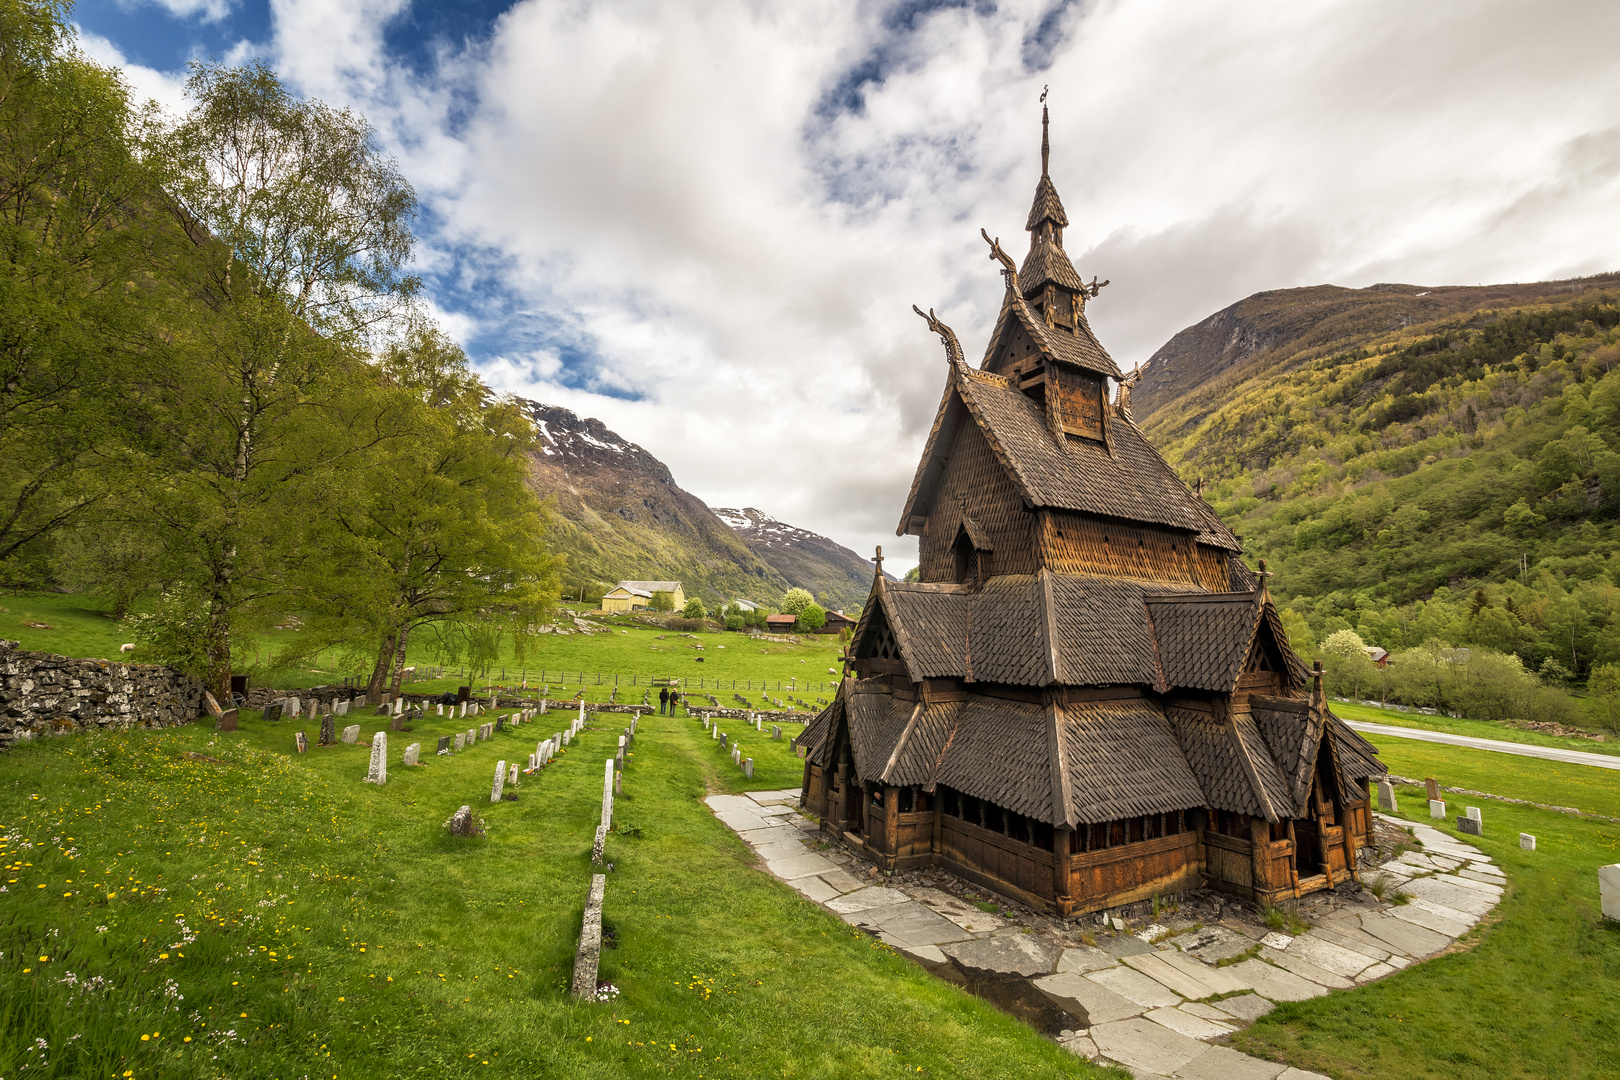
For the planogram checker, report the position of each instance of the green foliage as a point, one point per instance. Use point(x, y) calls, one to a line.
point(661, 601)
point(812, 618)
point(175, 631)
point(795, 600)
point(1604, 686)
point(694, 609)
point(914, 574)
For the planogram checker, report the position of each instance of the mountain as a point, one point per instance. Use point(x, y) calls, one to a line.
point(1415, 463)
point(1285, 327)
point(836, 575)
point(618, 513)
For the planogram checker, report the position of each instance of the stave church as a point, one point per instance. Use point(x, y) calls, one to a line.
point(1088, 698)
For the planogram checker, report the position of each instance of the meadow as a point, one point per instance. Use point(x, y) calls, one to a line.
point(187, 904)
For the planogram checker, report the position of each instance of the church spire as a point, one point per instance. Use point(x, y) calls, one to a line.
point(1046, 144)
point(1046, 267)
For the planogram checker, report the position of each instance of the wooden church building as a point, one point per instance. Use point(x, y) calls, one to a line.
point(1087, 699)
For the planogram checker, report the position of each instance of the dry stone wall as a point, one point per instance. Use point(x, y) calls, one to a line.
point(47, 694)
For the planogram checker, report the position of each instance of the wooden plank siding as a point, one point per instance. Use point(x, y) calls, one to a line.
point(1072, 543)
point(974, 478)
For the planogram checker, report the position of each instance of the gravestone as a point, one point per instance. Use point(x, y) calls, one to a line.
point(724, 741)
point(500, 723)
point(607, 795)
point(340, 708)
point(1386, 796)
point(382, 710)
point(462, 694)
point(444, 744)
point(582, 712)
point(399, 705)
point(413, 754)
point(1434, 789)
point(748, 768)
point(1473, 812)
point(512, 774)
point(1437, 809)
point(714, 733)
point(301, 741)
point(1527, 842)
point(802, 751)
point(1609, 890)
point(472, 736)
point(776, 732)
point(461, 710)
point(483, 732)
point(542, 706)
point(461, 823)
point(328, 731)
point(599, 845)
point(314, 708)
point(211, 705)
point(359, 702)
point(461, 740)
point(290, 707)
point(472, 708)
point(378, 771)
point(226, 721)
point(568, 736)
point(499, 785)
point(532, 759)
point(1469, 825)
point(351, 733)
point(272, 712)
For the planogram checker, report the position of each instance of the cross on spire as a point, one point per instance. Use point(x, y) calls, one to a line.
point(878, 558)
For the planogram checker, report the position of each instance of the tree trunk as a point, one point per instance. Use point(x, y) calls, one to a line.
point(399, 658)
point(217, 637)
point(379, 670)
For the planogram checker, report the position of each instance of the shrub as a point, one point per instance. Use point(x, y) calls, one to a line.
point(812, 618)
point(795, 600)
point(685, 625)
point(661, 601)
point(734, 622)
point(694, 609)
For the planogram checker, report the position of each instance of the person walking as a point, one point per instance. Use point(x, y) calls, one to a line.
point(663, 701)
point(674, 700)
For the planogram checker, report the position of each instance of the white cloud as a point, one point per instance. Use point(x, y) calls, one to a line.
point(669, 183)
point(207, 10)
point(167, 88)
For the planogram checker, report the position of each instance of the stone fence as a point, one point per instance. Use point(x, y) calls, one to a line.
point(47, 694)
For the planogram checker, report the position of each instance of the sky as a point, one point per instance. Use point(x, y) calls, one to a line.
point(705, 223)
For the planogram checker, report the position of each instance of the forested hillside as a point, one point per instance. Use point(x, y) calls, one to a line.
point(1454, 481)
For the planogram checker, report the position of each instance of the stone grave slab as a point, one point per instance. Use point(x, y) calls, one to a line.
point(328, 731)
point(351, 734)
point(1437, 809)
point(301, 741)
point(1133, 985)
point(272, 712)
point(212, 705)
point(377, 773)
point(1470, 826)
point(227, 720)
point(499, 784)
point(1087, 1001)
point(413, 754)
point(1609, 890)
point(1139, 1043)
point(1527, 842)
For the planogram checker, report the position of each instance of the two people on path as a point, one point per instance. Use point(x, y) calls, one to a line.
point(667, 701)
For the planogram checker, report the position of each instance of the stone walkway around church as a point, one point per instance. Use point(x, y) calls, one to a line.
point(1153, 1000)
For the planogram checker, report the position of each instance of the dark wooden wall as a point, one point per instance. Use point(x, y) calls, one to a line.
point(1072, 543)
point(974, 476)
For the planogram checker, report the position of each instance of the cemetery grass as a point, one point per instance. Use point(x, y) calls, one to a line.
point(1551, 783)
point(1532, 992)
point(1478, 729)
point(291, 921)
point(79, 627)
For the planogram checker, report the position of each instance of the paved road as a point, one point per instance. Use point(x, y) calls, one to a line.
point(1550, 753)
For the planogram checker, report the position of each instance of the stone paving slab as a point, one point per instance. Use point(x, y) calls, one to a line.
point(1274, 982)
point(1215, 978)
point(1085, 1000)
point(1134, 985)
point(1376, 972)
point(740, 820)
point(1250, 1006)
point(1402, 935)
point(1436, 917)
point(1083, 959)
point(721, 803)
point(1446, 892)
point(1224, 1063)
point(784, 848)
point(842, 880)
point(1346, 963)
point(800, 866)
point(1172, 978)
point(870, 897)
point(1194, 1027)
point(813, 888)
point(1482, 876)
point(960, 911)
point(770, 834)
point(1305, 969)
point(1139, 1043)
point(1018, 954)
point(911, 924)
point(1354, 939)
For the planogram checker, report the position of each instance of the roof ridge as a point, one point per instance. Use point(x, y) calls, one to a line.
point(1249, 766)
point(900, 743)
point(1057, 754)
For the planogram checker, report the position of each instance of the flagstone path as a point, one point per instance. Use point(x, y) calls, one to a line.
point(1139, 999)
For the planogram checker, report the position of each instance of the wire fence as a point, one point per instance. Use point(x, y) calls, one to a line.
point(547, 677)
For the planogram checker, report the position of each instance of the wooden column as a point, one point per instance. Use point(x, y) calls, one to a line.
point(1260, 855)
point(891, 820)
point(1062, 870)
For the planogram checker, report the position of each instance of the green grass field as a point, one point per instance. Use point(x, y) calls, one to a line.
point(1479, 729)
point(1534, 992)
point(727, 663)
point(190, 904)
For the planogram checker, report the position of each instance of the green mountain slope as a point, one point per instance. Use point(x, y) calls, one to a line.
point(1415, 463)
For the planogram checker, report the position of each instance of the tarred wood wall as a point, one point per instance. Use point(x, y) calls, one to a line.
point(974, 476)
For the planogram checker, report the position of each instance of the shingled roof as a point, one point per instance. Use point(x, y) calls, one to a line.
point(1132, 483)
point(1204, 638)
point(1047, 261)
